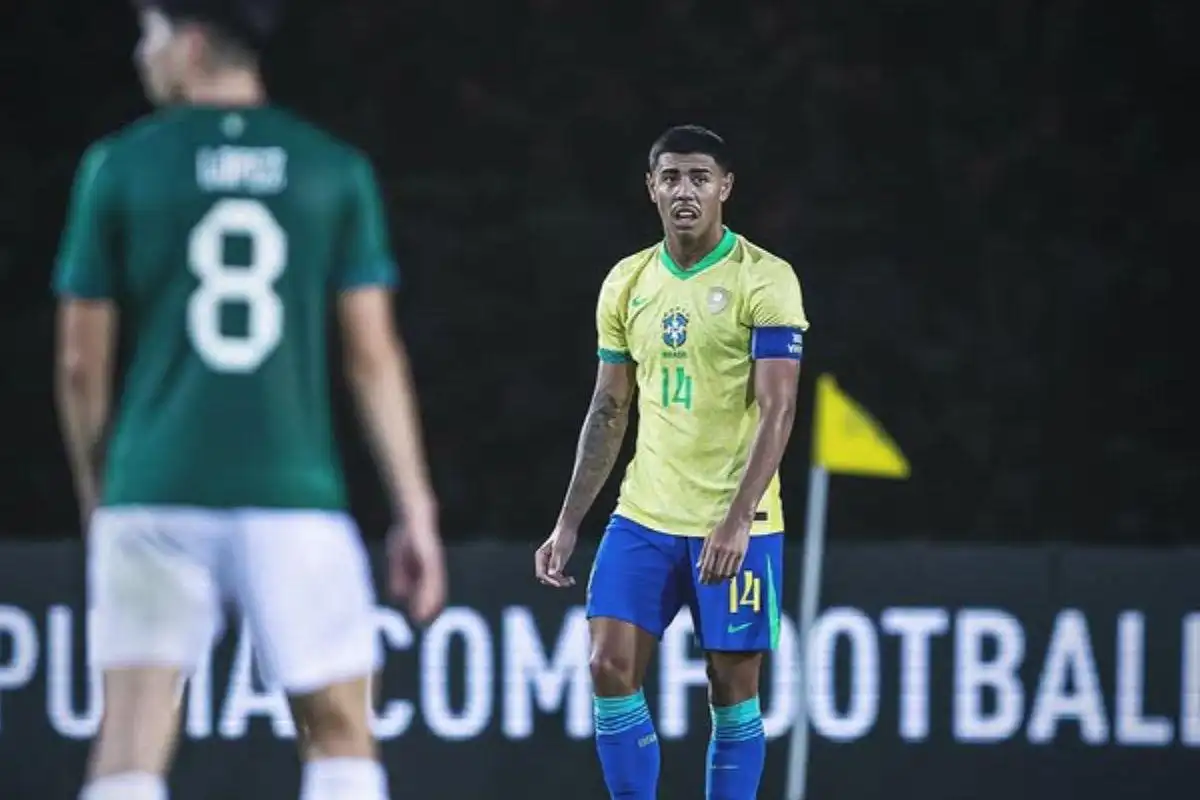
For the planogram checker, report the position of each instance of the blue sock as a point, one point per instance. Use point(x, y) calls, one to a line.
point(627, 746)
point(736, 753)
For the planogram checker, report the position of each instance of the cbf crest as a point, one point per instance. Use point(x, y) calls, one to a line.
point(674, 328)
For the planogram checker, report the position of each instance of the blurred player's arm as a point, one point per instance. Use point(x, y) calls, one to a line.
point(85, 282)
point(376, 360)
point(777, 319)
point(608, 413)
point(377, 370)
point(599, 440)
point(83, 389)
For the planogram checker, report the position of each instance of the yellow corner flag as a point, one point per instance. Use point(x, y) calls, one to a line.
point(849, 441)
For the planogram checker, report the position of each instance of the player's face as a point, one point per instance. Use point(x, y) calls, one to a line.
point(688, 190)
point(159, 58)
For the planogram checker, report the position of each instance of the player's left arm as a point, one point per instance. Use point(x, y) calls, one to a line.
point(377, 368)
point(375, 357)
point(85, 282)
point(775, 381)
point(775, 314)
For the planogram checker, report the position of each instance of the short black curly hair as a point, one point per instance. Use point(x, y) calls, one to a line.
point(689, 139)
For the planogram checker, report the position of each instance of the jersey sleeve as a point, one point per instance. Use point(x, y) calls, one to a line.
point(775, 312)
point(87, 262)
point(366, 258)
point(612, 345)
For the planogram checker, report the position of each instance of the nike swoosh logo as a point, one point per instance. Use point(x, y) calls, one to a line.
point(735, 628)
point(638, 302)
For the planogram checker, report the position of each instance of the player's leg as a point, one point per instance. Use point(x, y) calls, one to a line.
point(737, 622)
point(304, 584)
point(300, 715)
point(156, 607)
point(633, 594)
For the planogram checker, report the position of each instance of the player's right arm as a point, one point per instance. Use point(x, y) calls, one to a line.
point(377, 370)
point(85, 278)
point(600, 439)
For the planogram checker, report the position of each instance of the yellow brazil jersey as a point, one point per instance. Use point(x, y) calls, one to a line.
point(690, 334)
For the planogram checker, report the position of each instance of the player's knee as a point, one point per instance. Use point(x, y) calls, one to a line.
point(614, 673)
point(334, 724)
point(336, 732)
point(732, 679)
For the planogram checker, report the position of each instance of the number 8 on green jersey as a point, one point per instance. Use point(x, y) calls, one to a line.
point(224, 278)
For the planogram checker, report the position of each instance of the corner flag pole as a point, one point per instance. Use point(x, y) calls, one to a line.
point(846, 441)
point(810, 588)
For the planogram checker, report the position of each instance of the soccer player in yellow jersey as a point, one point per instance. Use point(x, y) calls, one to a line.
point(708, 328)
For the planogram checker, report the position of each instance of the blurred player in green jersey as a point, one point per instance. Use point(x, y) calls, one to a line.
point(707, 330)
point(217, 233)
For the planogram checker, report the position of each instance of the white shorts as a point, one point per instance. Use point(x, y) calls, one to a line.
point(158, 578)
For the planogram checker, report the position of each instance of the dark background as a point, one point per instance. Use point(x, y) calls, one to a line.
point(986, 201)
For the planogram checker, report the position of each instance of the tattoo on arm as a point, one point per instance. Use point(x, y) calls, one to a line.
point(599, 445)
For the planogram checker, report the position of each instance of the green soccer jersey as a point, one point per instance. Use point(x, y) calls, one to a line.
point(221, 236)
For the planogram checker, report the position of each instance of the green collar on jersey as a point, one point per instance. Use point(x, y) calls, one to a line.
point(718, 253)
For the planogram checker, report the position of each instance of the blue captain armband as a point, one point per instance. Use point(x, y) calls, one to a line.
point(777, 342)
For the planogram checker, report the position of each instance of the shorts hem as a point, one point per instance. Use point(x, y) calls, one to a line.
point(318, 680)
point(765, 649)
point(626, 619)
point(186, 666)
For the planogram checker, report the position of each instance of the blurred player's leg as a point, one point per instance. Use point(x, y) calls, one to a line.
point(633, 594)
point(304, 583)
point(339, 751)
point(738, 621)
point(137, 735)
point(157, 610)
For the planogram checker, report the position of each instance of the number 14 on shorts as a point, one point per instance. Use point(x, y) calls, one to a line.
point(745, 593)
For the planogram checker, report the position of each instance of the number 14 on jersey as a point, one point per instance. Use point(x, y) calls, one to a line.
point(676, 387)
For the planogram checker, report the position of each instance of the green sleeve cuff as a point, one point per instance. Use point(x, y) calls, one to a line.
point(614, 356)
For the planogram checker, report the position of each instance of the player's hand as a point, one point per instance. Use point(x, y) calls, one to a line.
point(417, 570)
point(724, 550)
point(551, 558)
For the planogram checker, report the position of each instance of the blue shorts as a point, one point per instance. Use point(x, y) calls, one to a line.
point(645, 577)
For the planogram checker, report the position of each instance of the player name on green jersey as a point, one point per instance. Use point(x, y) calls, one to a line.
point(221, 235)
point(253, 170)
